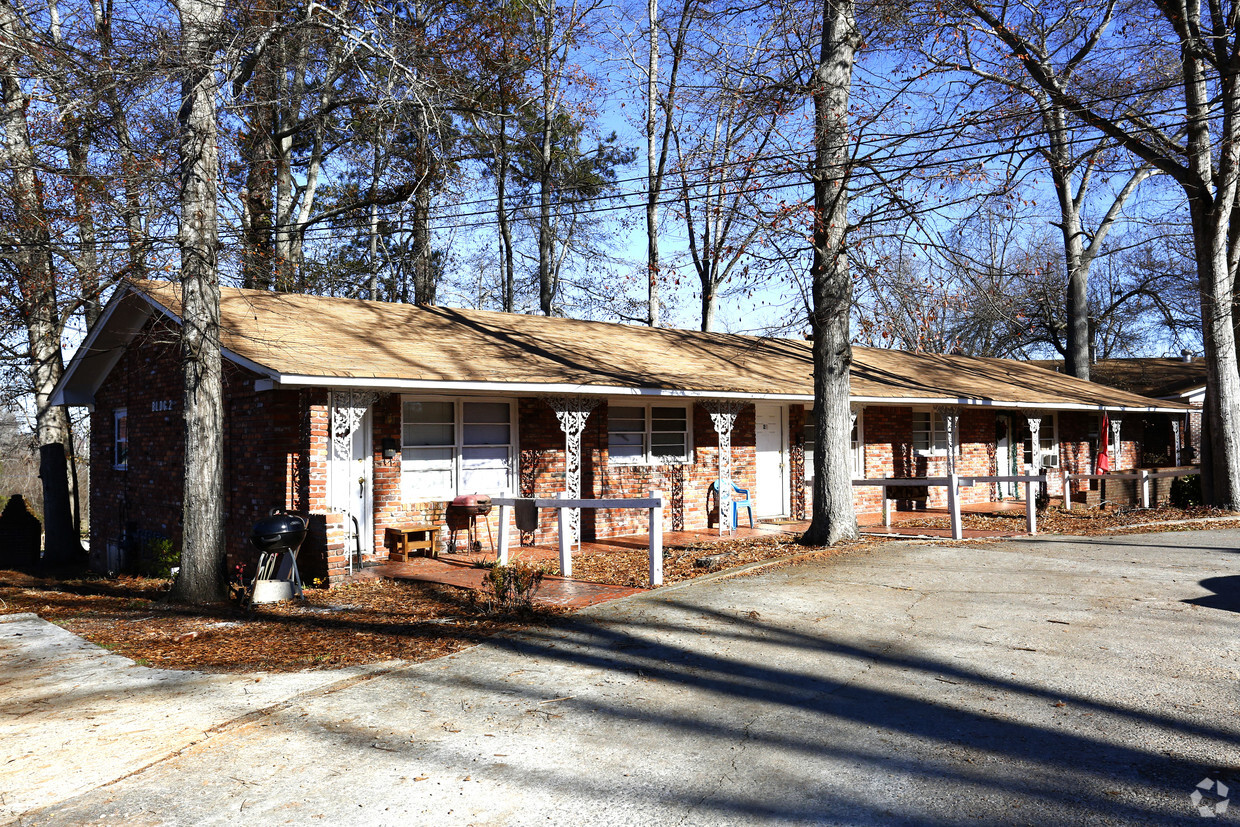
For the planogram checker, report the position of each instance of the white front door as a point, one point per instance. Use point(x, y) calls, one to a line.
point(1003, 454)
point(771, 498)
point(349, 478)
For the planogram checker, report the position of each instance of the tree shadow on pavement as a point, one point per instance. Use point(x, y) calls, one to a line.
point(1046, 763)
point(1226, 593)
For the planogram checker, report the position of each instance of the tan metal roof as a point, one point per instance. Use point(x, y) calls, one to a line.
point(303, 340)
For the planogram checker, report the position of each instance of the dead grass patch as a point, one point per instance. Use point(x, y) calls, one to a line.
point(366, 622)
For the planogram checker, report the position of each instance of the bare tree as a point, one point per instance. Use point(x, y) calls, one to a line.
point(1199, 149)
point(1065, 36)
point(35, 295)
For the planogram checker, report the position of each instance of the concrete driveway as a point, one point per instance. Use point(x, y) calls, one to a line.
point(1038, 681)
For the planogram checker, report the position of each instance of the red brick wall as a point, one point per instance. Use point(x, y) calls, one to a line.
point(263, 462)
point(541, 474)
point(147, 496)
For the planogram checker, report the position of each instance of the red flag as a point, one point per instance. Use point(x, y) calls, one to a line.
point(1104, 447)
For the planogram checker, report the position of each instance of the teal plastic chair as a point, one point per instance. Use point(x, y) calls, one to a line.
point(740, 499)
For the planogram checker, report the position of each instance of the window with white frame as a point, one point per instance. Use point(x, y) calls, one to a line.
point(930, 433)
point(856, 444)
point(456, 446)
point(120, 438)
point(648, 434)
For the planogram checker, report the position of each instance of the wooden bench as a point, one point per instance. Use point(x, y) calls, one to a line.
point(404, 542)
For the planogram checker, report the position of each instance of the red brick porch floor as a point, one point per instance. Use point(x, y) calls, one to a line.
point(460, 569)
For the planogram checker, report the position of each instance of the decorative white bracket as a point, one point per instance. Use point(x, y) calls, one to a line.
point(723, 413)
point(348, 408)
point(572, 413)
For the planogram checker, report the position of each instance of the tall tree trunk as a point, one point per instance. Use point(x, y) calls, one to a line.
point(546, 285)
point(1077, 298)
point(424, 275)
point(36, 282)
point(505, 225)
point(257, 150)
point(132, 211)
point(652, 172)
point(546, 251)
point(833, 515)
point(372, 282)
point(202, 554)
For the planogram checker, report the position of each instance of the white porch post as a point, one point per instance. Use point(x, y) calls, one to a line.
point(656, 540)
point(572, 413)
point(1031, 512)
point(951, 426)
point(953, 505)
point(1115, 425)
point(723, 414)
point(562, 518)
point(1034, 418)
point(1175, 439)
point(504, 512)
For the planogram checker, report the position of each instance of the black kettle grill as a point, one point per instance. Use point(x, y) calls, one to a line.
point(273, 535)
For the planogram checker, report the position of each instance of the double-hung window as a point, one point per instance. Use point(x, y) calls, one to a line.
point(120, 439)
point(930, 434)
point(456, 446)
point(648, 434)
point(856, 445)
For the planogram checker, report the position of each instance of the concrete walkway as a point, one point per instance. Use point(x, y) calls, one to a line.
point(1035, 681)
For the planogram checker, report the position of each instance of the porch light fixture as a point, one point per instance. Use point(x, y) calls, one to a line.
point(390, 448)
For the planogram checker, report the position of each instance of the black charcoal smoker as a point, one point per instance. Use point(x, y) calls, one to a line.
point(275, 535)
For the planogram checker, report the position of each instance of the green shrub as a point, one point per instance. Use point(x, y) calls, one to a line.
point(160, 557)
point(1186, 491)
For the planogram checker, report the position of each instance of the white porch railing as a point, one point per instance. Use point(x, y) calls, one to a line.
point(653, 504)
point(953, 483)
point(1141, 475)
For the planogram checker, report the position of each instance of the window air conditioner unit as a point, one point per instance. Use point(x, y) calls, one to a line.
point(1050, 461)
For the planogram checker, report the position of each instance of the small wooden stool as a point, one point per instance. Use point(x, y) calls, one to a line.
point(404, 542)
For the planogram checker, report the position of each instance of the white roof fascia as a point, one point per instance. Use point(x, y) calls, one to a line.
point(396, 385)
point(61, 395)
point(1194, 396)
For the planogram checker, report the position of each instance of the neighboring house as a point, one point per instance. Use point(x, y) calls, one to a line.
point(371, 414)
point(1177, 380)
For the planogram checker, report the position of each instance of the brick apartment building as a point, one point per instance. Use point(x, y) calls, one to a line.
point(365, 415)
